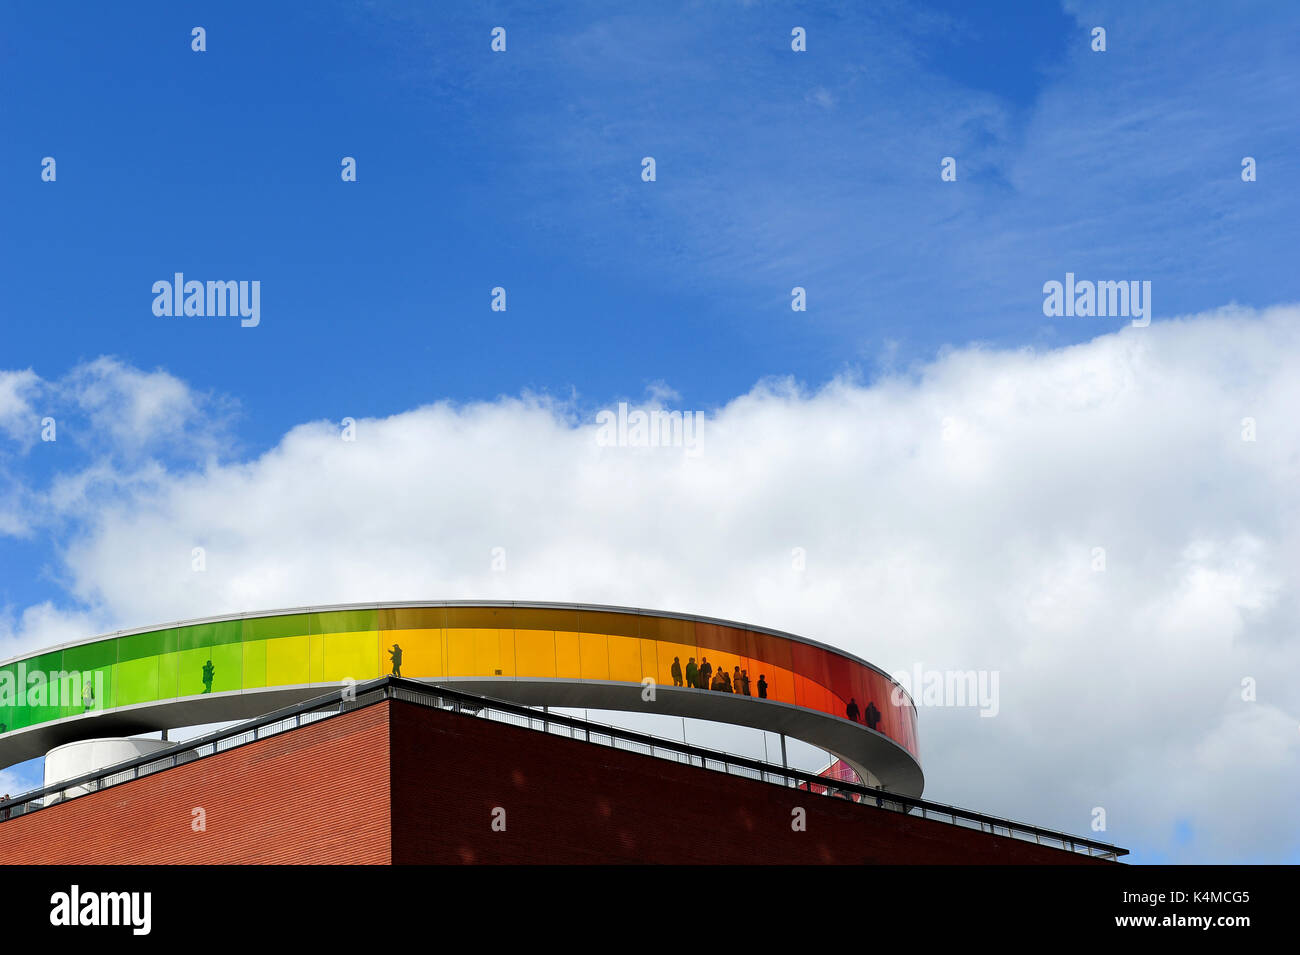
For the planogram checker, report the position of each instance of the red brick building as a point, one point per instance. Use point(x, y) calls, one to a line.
point(398, 780)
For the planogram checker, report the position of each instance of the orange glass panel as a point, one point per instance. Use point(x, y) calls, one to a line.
point(535, 653)
point(651, 665)
point(422, 652)
point(625, 659)
point(593, 652)
point(568, 655)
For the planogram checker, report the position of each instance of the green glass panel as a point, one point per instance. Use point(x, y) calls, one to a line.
point(101, 653)
point(150, 644)
point(210, 634)
point(268, 628)
point(38, 690)
point(169, 668)
point(137, 681)
point(11, 699)
point(343, 621)
point(213, 669)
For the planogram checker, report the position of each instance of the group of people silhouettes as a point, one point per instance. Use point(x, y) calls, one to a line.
point(872, 715)
point(704, 677)
point(700, 676)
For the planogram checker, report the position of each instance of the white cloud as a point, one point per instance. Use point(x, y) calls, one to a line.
point(132, 410)
point(17, 417)
point(949, 517)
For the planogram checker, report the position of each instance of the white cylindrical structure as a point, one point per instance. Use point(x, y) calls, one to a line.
point(88, 755)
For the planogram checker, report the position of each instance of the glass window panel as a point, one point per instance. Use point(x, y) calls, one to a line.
point(151, 644)
point(11, 697)
point(617, 624)
point(654, 666)
point(350, 656)
point(228, 667)
point(169, 666)
point(506, 653)
point(568, 655)
point(343, 621)
point(412, 618)
point(479, 618)
point(254, 664)
point(535, 653)
point(137, 681)
point(286, 661)
point(487, 653)
point(625, 659)
point(593, 653)
point(423, 652)
point(461, 651)
point(840, 682)
point(87, 656)
point(269, 628)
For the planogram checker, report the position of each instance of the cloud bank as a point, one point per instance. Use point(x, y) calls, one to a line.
point(1095, 523)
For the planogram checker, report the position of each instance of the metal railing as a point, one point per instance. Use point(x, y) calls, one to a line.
point(412, 691)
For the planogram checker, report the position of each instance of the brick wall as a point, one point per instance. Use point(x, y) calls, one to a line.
point(321, 794)
point(314, 794)
point(567, 801)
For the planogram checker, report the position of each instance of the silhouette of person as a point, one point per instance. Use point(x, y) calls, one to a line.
point(706, 672)
point(677, 671)
point(744, 682)
point(735, 681)
point(852, 711)
point(762, 687)
point(873, 715)
point(209, 674)
point(726, 681)
point(692, 673)
point(396, 654)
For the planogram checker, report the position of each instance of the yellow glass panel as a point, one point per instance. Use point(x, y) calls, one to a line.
point(506, 642)
point(316, 658)
point(460, 652)
point(350, 656)
point(286, 661)
point(487, 653)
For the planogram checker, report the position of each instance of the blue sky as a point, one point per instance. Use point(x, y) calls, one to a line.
point(522, 169)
